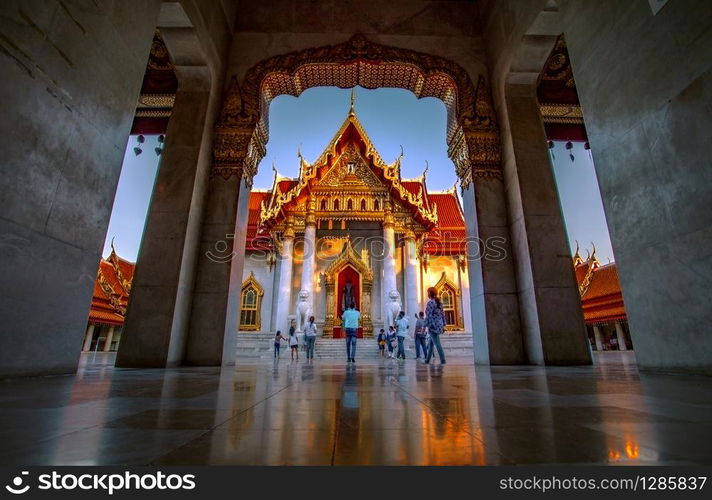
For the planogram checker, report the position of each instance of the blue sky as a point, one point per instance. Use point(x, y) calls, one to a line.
point(392, 118)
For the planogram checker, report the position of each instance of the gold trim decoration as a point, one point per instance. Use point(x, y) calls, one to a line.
point(242, 130)
point(348, 257)
point(561, 113)
point(251, 282)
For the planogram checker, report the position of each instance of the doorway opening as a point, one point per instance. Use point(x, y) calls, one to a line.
point(343, 180)
point(581, 204)
point(112, 288)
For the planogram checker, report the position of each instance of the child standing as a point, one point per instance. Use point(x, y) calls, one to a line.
point(293, 343)
point(382, 342)
point(277, 338)
point(390, 341)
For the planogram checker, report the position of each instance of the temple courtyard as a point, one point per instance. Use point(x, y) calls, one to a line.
point(377, 411)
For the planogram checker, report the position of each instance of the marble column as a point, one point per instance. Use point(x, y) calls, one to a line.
point(88, 337)
point(411, 280)
point(598, 337)
point(284, 289)
point(389, 264)
point(109, 338)
point(309, 261)
point(620, 333)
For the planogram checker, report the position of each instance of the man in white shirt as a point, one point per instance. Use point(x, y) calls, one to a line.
point(350, 320)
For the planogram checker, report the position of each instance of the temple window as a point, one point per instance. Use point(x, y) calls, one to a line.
point(376, 205)
point(336, 204)
point(350, 204)
point(323, 204)
point(250, 304)
point(363, 205)
point(447, 296)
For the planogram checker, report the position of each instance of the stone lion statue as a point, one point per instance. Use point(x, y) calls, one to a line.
point(303, 310)
point(393, 307)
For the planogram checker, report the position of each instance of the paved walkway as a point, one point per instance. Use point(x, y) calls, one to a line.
point(376, 412)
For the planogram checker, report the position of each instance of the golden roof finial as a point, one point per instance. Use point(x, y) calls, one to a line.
point(113, 250)
point(427, 167)
point(353, 101)
point(577, 256)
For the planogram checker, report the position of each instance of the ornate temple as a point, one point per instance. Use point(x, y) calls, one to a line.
point(350, 229)
point(108, 304)
point(602, 303)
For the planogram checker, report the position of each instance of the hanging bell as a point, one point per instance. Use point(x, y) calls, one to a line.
point(569, 147)
point(551, 149)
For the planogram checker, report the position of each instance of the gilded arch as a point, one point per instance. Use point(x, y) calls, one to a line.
point(348, 257)
point(472, 134)
point(250, 307)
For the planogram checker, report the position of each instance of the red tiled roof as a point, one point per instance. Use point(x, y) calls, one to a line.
point(449, 211)
point(604, 282)
point(602, 299)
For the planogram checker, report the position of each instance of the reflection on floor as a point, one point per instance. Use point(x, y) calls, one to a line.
point(376, 412)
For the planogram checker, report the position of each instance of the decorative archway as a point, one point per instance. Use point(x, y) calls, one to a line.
point(348, 259)
point(472, 134)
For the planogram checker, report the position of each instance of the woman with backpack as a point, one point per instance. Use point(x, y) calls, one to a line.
point(435, 323)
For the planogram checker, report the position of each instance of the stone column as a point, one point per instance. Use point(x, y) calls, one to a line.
point(155, 328)
point(284, 289)
point(389, 255)
point(109, 338)
point(598, 337)
point(411, 280)
point(620, 333)
point(494, 305)
point(548, 292)
point(309, 261)
point(88, 337)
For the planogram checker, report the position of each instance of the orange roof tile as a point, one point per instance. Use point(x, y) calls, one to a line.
point(449, 211)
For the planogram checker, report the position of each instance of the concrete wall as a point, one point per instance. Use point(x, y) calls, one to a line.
point(645, 84)
point(70, 79)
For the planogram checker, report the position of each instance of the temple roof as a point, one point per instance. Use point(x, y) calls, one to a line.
point(600, 290)
point(349, 163)
point(111, 290)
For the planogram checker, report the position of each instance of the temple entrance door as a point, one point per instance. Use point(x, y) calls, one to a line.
point(348, 286)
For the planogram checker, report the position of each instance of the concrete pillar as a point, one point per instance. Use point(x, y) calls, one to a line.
point(88, 337)
point(598, 337)
point(620, 333)
point(215, 314)
point(155, 329)
point(549, 298)
point(109, 338)
point(411, 280)
point(494, 305)
point(284, 289)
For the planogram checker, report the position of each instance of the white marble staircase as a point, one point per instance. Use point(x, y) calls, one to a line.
point(259, 345)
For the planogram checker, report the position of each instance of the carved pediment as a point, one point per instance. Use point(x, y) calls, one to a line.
point(350, 171)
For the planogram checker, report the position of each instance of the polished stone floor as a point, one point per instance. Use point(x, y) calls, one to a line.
point(376, 412)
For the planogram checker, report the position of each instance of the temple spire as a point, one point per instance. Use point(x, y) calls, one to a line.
point(352, 111)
